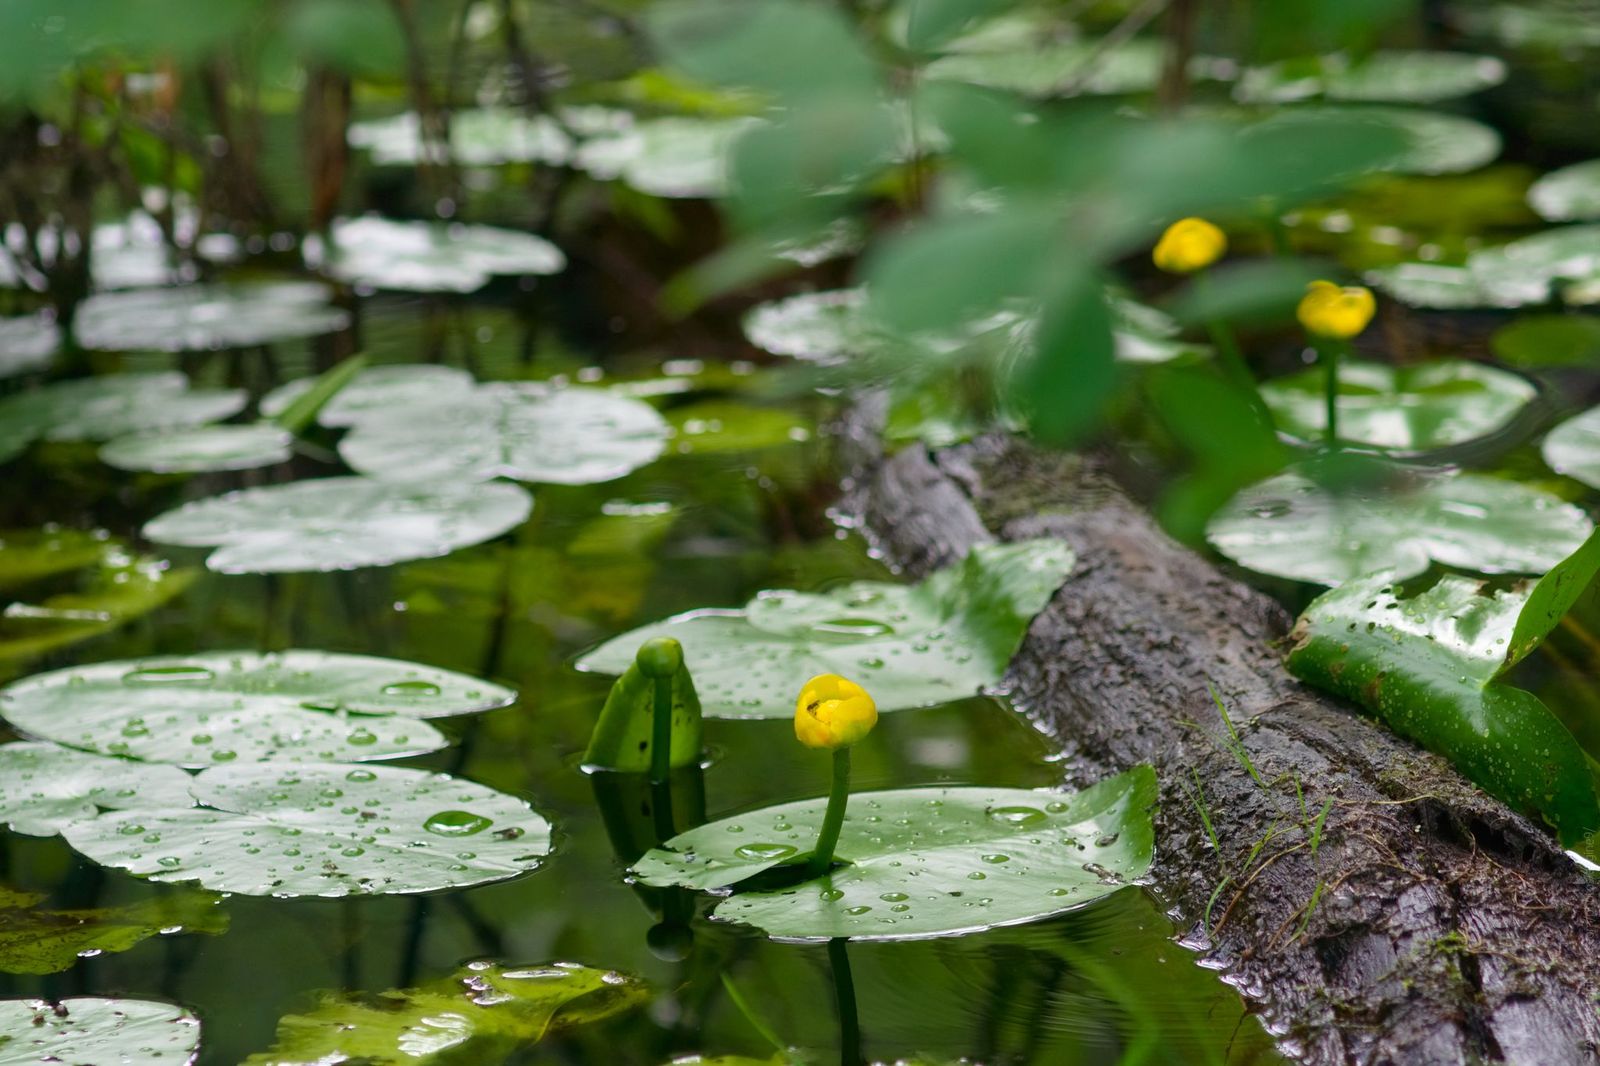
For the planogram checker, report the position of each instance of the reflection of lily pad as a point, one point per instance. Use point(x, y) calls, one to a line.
point(92, 1029)
point(204, 317)
point(1381, 77)
point(27, 343)
point(384, 253)
point(373, 391)
point(205, 448)
point(1571, 194)
point(923, 862)
point(340, 523)
point(478, 1014)
point(43, 787)
point(323, 830)
point(1290, 526)
point(678, 157)
point(1409, 408)
point(574, 436)
point(910, 645)
point(221, 706)
point(1573, 448)
point(34, 940)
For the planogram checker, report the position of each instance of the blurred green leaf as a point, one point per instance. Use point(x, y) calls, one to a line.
point(359, 37)
point(1540, 341)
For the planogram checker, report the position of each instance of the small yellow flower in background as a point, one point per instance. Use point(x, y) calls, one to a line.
point(1189, 244)
point(1328, 310)
point(833, 712)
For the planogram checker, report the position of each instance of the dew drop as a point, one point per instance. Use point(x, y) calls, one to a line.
point(456, 823)
point(764, 852)
point(411, 688)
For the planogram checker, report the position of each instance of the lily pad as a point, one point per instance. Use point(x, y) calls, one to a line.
point(43, 787)
point(340, 523)
point(1436, 287)
point(1396, 77)
point(35, 940)
point(1406, 409)
point(479, 137)
point(676, 157)
point(94, 1029)
point(199, 450)
point(526, 431)
point(909, 645)
point(922, 862)
point(305, 829)
point(1436, 142)
point(27, 343)
point(816, 327)
point(1540, 341)
point(1573, 448)
point(382, 253)
point(374, 391)
point(101, 408)
point(1290, 526)
point(1527, 271)
point(1571, 194)
point(205, 317)
point(482, 1013)
point(217, 707)
point(1073, 67)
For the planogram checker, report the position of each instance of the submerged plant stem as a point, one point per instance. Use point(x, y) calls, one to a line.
point(844, 990)
point(833, 821)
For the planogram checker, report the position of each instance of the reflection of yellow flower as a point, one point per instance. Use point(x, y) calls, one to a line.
point(833, 712)
point(1327, 310)
point(1189, 244)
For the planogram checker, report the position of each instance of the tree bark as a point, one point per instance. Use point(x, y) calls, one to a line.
point(1420, 922)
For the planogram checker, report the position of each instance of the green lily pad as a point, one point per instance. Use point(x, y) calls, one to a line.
point(94, 1029)
point(816, 327)
point(34, 940)
point(205, 317)
point(1527, 271)
point(909, 645)
point(719, 426)
point(218, 707)
point(382, 253)
point(202, 449)
point(1562, 26)
point(102, 408)
point(1133, 66)
point(479, 136)
point(1540, 341)
point(1436, 142)
point(1407, 409)
point(1431, 667)
point(922, 862)
point(307, 829)
point(678, 156)
point(43, 787)
point(1435, 287)
point(27, 343)
point(482, 1013)
point(1290, 526)
point(526, 431)
point(1573, 448)
point(1571, 194)
point(340, 523)
point(1396, 77)
point(374, 391)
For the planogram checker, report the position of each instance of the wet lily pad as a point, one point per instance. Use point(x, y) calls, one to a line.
point(93, 1029)
point(676, 157)
point(1436, 142)
point(1571, 194)
point(481, 1013)
point(382, 253)
point(43, 787)
point(525, 431)
point(27, 343)
point(36, 940)
point(223, 706)
point(373, 391)
point(817, 327)
point(1406, 409)
point(923, 862)
point(1436, 287)
point(479, 137)
point(1290, 526)
point(1396, 77)
point(340, 523)
point(205, 317)
point(909, 645)
point(102, 408)
point(1068, 67)
point(718, 426)
point(205, 448)
point(306, 829)
point(1573, 448)
point(1529, 271)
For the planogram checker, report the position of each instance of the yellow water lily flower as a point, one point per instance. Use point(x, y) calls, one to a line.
point(1189, 244)
point(833, 712)
point(1327, 310)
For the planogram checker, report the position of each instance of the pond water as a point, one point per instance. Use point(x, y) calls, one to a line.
point(1106, 983)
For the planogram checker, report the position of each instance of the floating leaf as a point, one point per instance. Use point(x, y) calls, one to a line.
point(717, 426)
point(817, 327)
point(304, 829)
point(1571, 194)
point(105, 407)
point(1436, 287)
point(1290, 526)
point(483, 136)
point(383, 253)
point(526, 431)
point(482, 1013)
point(38, 941)
point(922, 862)
point(1435, 142)
point(43, 787)
point(1573, 448)
point(131, 253)
point(1540, 341)
point(204, 317)
point(221, 706)
point(203, 449)
point(93, 1029)
point(1070, 67)
point(340, 523)
point(1409, 408)
point(1527, 271)
point(909, 645)
point(1382, 77)
point(27, 343)
point(374, 391)
point(678, 157)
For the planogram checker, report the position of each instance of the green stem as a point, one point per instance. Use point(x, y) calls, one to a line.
point(844, 988)
point(833, 821)
point(1329, 352)
point(661, 732)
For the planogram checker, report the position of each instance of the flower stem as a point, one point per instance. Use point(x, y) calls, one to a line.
point(661, 732)
point(838, 798)
point(1329, 352)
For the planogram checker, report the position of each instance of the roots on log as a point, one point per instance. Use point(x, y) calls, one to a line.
point(1424, 923)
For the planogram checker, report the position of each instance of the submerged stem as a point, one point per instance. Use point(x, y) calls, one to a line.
point(833, 821)
point(844, 989)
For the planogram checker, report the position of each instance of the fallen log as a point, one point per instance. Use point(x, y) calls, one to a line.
point(1374, 905)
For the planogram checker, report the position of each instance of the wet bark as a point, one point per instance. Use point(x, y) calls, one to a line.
point(1420, 922)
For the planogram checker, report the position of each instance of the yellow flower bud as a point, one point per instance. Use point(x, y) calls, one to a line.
point(1327, 310)
point(1189, 244)
point(833, 712)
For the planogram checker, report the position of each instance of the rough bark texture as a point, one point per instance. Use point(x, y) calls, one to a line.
point(1428, 924)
